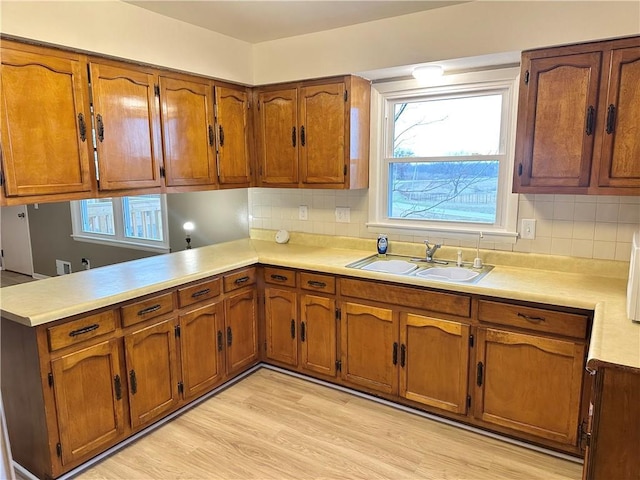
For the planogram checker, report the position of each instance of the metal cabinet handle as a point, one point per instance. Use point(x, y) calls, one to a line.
point(590, 119)
point(293, 328)
point(279, 278)
point(82, 127)
point(403, 354)
point(151, 309)
point(479, 374)
point(313, 283)
point(530, 318)
point(303, 332)
point(199, 293)
point(395, 353)
point(100, 127)
point(117, 386)
point(133, 382)
point(241, 280)
point(219, 340)
point(293, 136)
point(229, 337)
point(87, 329)
point(303, 137)
point(221, 135)
point(611, 119)
point(210, 136)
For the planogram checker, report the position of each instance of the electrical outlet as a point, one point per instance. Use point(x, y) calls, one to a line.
point(343, 214)
point(63, 267)
point(528, 230)
point(303, 212)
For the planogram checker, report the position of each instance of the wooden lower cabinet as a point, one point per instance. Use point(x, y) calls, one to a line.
point(318, 334)
point(241, 330)
point(152, 366)
point(202, 349)
point(529, 383)
point(370, 347)
point(281, 315)
point(613, 440)
point(90, 376)
point(434, 361)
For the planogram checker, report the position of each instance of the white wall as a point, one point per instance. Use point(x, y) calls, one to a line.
point(464, 30)
point(115, 28)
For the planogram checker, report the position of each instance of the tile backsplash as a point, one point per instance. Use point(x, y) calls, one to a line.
point(586, 226)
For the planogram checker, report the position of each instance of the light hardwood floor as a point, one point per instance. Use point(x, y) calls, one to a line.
point(274, 426)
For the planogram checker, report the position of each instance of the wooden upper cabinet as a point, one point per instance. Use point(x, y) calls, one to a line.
point(578, 117)
point(127, 126)
point(620, 161)
point(558, 107)
point(233, 127)
point(46, 123)
point(278, 136)
point(187, 131)
point(314, 134)
point(322, 133)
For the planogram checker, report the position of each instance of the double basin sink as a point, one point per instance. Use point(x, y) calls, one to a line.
point(439, 270)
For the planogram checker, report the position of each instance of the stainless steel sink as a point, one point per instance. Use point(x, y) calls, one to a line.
point(442, 271)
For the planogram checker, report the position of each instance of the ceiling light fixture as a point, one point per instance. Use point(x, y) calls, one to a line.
point(427, 72)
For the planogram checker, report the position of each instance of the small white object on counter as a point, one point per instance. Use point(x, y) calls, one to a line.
point(282, 236)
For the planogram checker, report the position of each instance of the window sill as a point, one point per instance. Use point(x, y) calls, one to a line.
point(122, 244)
point(490, 234)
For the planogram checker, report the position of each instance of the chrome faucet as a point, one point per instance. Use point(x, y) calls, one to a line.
point(431, 250)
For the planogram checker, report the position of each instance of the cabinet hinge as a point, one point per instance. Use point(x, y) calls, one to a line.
point(526, 77)
point(156, 90)
point(176, 329)
point(338, 314)
point(50, 378)
point(59, 450)
point(519, 169)
point(468, 401)
point(471, 340)
point(346, 95)
point(163, 172)
point(339, 365)
point(180, 387)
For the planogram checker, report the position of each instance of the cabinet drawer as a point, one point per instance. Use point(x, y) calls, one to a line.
point(146, 309)
point(532, 318)
point(280, 276)
point(234, 281)
point(317, 283)
point(80, 330)
point(441, 302)
point(198, 292)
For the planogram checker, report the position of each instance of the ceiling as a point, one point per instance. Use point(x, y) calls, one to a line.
point(263, 20)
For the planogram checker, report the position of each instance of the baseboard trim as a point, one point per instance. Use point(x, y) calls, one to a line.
point(40, 276)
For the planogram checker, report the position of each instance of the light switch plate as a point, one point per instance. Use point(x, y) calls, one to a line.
point(528, 230)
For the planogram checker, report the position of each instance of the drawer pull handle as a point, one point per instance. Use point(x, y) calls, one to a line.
point(241, 280)
point(529, 318)
point(313, 283)
point(279, 278)
point(87, 329)
point(199, 293)
point(154, 308)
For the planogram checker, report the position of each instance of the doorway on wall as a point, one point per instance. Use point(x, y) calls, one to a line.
point(15, 240)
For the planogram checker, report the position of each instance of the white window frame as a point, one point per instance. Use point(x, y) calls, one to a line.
point(500, 80)
point(119, 239)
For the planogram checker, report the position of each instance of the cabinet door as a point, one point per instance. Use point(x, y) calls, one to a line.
point(280, 324)
point(278, 136)
point(620, 161)
point(322, 134)
point(529, 383)
point(187, 132)
point(201, 349)
point(241, 330)
point(370, 347)
point(434, 361)
point(557, 118)
point(234, 160)
point(153, 375)
point(127, 123)
point(318, 334)
point(88, 391)
point(46, 124)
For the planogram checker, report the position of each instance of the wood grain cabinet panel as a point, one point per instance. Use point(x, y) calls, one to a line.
point(187, 131)
point(88, 391)
point(370, 347)
point(318, 334)
point(620, 164)
point(434, 361)
point(281, 325)
point(152, 367)
point(201, 349)
point(233, 134)
point(241, 330)
point(46, 122)
point(127, 123)
point(530, 383)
